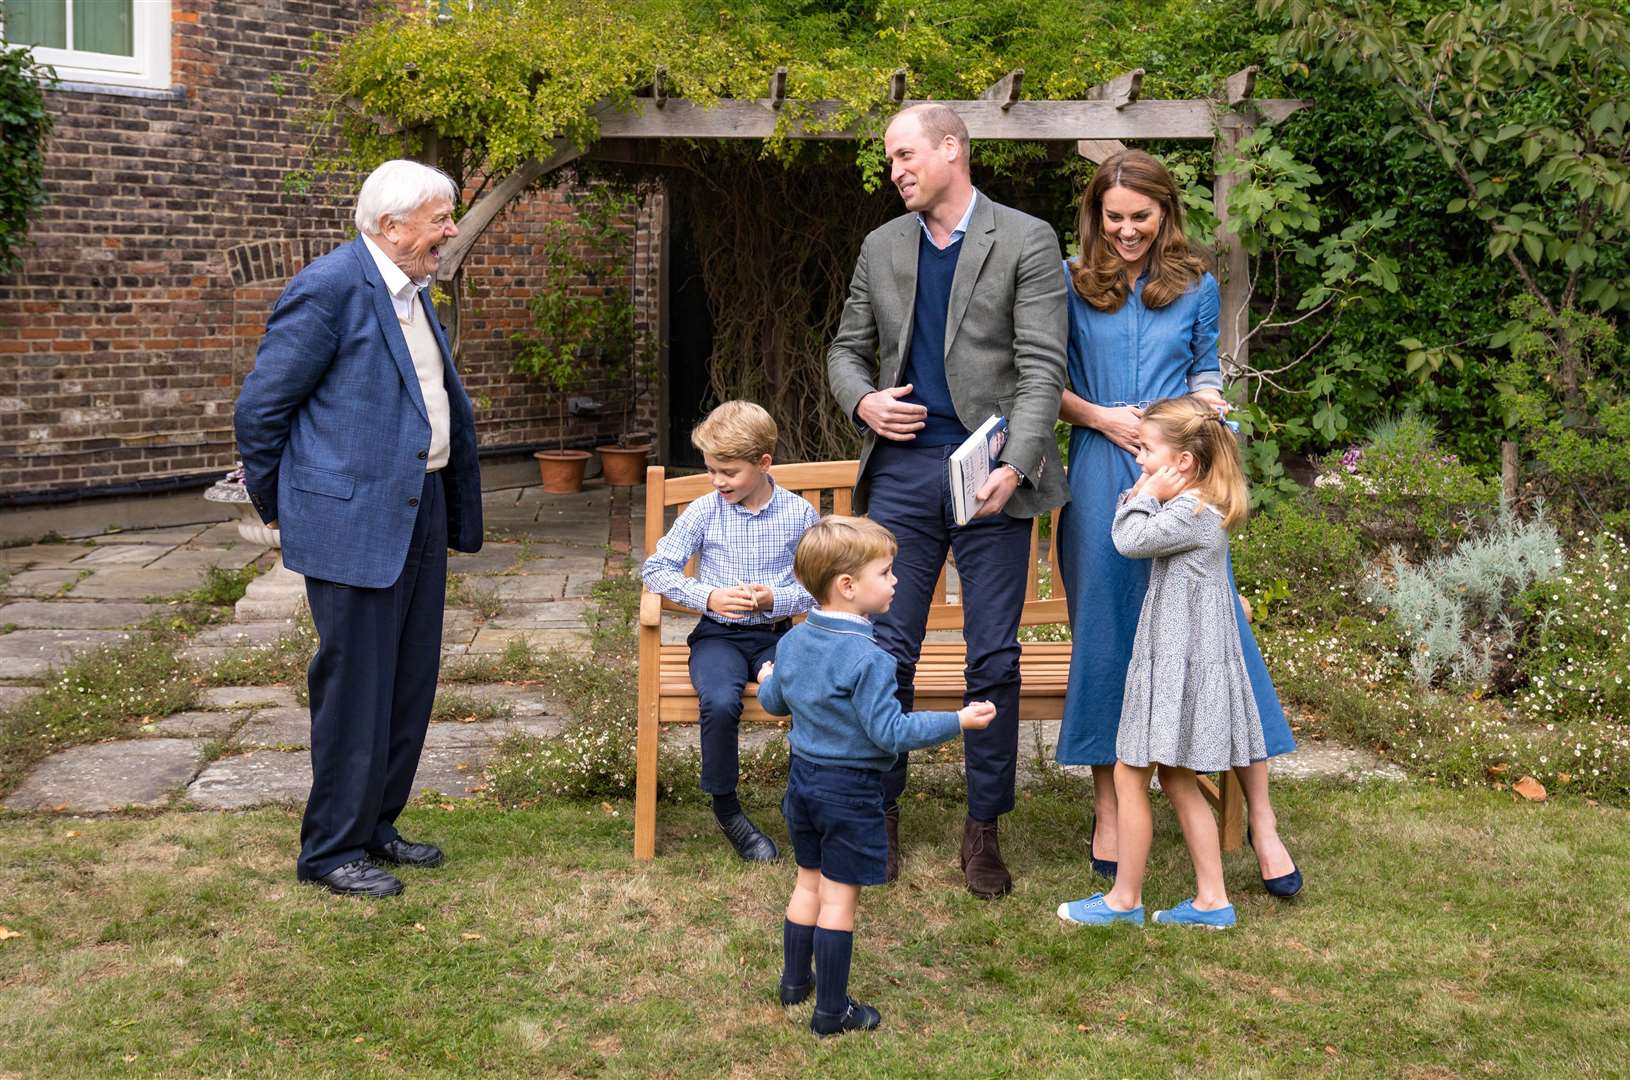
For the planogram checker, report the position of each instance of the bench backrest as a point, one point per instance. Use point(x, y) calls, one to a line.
point(828, 487)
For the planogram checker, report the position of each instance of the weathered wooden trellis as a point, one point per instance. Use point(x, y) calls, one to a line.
point(1110, 113)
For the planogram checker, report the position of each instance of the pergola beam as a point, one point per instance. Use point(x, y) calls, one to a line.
point(1120, 91)
point(1064, 121)
point(489, 206)
point(1006, 89)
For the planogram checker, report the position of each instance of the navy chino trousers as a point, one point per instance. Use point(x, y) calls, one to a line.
point(911, 497)
point(372, 683)
point(723, 660)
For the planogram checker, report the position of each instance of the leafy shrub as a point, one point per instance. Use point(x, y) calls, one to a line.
point(25, 124)
point(1400, 490)
point(1457, 612)
point(1285, 556)
point(223, 587)
point(1578, 655)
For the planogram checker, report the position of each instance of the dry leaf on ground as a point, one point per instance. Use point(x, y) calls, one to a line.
point(1530, 789)
point(7, 933)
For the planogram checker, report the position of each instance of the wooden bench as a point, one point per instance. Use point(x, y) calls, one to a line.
point(667, 697)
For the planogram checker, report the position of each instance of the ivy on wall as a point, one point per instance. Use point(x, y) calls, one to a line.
point(25, 124)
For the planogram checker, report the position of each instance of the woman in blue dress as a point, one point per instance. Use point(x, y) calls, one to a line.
point(1143, 326)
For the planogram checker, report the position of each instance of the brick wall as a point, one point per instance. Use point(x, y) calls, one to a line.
point(167, 237)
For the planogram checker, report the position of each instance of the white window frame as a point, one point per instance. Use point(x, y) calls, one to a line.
point(149, 67)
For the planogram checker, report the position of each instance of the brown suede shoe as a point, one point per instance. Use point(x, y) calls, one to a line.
point(982, 861)
point(891, 829)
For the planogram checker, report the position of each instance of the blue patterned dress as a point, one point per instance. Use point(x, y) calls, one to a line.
point(1128, 357)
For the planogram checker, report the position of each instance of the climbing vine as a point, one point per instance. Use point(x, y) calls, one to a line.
point(25, 124)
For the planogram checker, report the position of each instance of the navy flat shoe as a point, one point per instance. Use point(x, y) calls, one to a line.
point(1104, 868)
point(1286, 885)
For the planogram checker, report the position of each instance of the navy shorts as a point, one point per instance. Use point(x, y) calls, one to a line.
point(834, 816)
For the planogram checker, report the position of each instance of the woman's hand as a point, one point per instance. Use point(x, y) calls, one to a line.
point(1119, 424)
point(1213, 398)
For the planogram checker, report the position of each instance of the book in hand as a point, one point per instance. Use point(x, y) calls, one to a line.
point(971, 465)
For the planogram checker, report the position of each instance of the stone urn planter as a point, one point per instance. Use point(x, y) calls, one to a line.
point(561, 470)
point(623, 464)
point(231, 492)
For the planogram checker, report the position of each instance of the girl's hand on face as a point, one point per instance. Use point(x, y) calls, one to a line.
point(1120, 425)
point(1164, 483)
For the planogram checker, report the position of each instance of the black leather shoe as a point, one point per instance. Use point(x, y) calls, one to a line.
point(750, 843)
point(796, 995)
point(856, 1017)
point(401, 852)
point(358, 878)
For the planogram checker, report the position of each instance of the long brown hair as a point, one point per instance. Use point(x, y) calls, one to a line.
point(1188, 423)
point(1099, 272)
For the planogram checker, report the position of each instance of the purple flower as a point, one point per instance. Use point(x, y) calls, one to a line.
point(1351, 458)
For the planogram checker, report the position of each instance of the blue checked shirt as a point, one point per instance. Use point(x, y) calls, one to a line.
point(738, 546)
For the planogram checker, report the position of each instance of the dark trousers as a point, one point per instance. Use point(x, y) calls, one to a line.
point(372, 684)
point(910, 497)
point(723, 660)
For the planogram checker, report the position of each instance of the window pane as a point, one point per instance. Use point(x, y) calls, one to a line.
point(103, 26)
point(36, 22)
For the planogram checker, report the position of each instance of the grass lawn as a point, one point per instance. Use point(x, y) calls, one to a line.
point(1442, 933)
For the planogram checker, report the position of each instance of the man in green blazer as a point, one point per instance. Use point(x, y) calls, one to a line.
point(956, 311)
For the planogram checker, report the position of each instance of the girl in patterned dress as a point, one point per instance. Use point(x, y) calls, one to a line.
point(1188, 705)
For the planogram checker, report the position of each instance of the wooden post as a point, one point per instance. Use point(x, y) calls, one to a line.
point(1509, 462)
point(648, 733)
point(1006, 89)
point(897, 86)
point(778, 87)
point(1233, 268)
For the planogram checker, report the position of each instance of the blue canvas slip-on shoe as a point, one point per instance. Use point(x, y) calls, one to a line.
point(1095, 911)
point(1186, 914)
point(1286, 885)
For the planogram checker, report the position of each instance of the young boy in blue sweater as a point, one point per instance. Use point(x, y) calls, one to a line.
point(847, 728)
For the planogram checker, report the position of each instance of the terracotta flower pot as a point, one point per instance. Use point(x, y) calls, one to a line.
point(561, 470)
point(624, 466)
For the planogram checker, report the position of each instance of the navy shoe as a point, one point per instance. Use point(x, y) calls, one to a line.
point(1104, 868)
point(796, 995)
point(1286, 885)
point(854, 1017)
point(750, 843)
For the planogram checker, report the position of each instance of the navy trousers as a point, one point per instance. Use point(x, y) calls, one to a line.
point(372, 684)
point(911, 497)
point(723, 660)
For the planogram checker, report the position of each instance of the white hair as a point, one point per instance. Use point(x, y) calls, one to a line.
point(398, 188)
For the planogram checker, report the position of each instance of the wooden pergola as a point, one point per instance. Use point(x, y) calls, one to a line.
point(1097, 125)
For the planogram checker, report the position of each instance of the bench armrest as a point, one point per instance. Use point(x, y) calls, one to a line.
point(650, 608)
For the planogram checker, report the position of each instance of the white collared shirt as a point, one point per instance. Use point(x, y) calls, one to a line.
point(961, 227)
point(403, 289)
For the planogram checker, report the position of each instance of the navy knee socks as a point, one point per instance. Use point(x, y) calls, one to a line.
point(726, 807)
point(797, 949)
point(833, 951)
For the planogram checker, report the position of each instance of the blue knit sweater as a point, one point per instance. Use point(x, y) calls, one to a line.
point(838, 685)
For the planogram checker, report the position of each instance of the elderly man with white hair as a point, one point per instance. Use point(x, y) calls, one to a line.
point(358, 443)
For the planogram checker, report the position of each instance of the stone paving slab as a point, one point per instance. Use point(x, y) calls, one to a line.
point(286, 726)
point(40, 556)
point(76, 615)
point(243, 635)
point(549, 563)
point(456, 772)
point(546, 615)
point(44, 582)
point(1321, 760)
point(135, 583)
point(254, 779)
point(458, 626)
point(524, 702)
point(109, 776)
point(493, 558)
point(528, 587)
point(581, 585)
point(202, 558)
point(198, 724)
point(245, 697)
point(119, 555)
point(11, 695)
point(173, 537)
point(222, 534)
point(496, 640)
point(29, 654)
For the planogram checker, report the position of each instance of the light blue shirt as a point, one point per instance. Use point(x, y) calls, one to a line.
point(961, 227)
point(734, 546)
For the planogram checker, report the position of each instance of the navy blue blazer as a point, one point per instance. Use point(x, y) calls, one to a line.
point(333, 431)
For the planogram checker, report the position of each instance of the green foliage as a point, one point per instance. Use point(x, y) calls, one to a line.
point(580, 316)
point(465, 708)
point(1577, 652)
point(1571, 412)
point(1289, 561)
point(1399, 489)
point(223, 587)
point(25, 124)
point(283, 662)
point(1457, 613)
